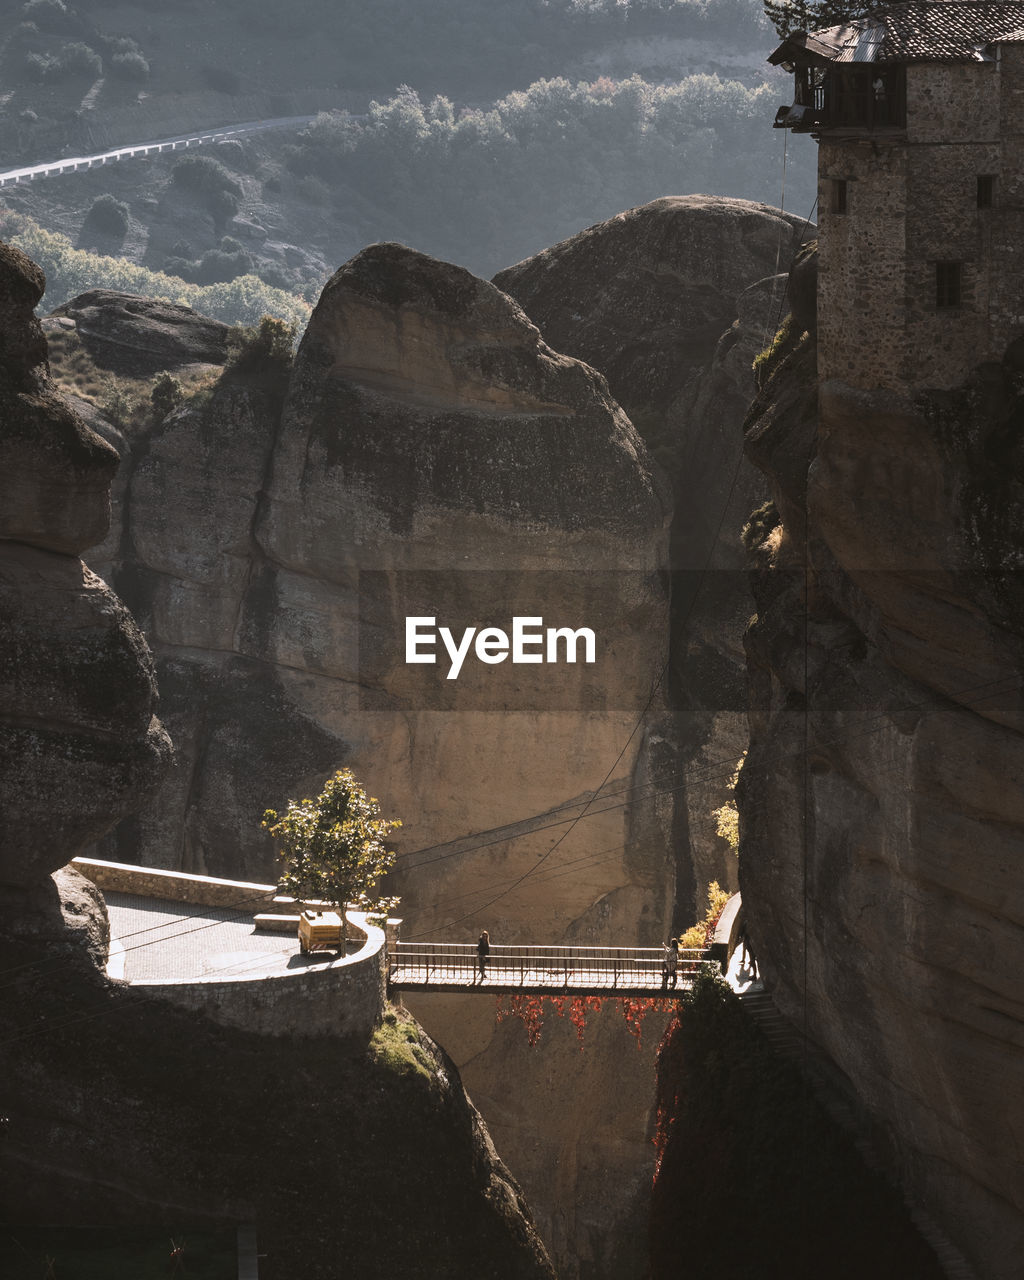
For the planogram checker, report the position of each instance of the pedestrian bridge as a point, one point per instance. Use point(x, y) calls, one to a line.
point(536, 970)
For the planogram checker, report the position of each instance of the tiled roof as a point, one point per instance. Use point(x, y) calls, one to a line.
point(919, 31)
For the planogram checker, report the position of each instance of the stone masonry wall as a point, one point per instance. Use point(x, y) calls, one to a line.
point(862, 263)
point(175, 886)
point(912, 202)
point(342, 1000)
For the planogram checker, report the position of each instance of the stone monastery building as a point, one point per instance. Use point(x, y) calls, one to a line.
point(918, 110)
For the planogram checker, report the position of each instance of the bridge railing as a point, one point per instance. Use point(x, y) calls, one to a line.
point(612, 968)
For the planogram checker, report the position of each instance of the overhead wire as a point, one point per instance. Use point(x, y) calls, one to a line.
point(992, 688)
point(976, 694)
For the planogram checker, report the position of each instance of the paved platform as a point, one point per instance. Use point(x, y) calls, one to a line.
point(153, 939)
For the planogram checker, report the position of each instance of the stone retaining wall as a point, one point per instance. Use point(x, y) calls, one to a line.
point(175, 886)
point(346, 998)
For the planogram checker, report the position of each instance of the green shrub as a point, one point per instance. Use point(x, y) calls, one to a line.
point(74, 59)
point(223, 205)
point(766, 362)
point(204, 176)
point(37, 66)
point(49, 15)
point(208, 179)
point(70, 271)
point(77, 59)
point(117, 405)
point(129, 66)
point(166, 395)
point(184, 268)
point(108, 216)
point(122, 44)
point(265, 347)
point(217, 266)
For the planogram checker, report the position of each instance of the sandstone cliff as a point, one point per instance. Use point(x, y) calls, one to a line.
point(672, 301)
point(121, 1110)
point(79, 743)
point(433, 457)
point(881, 803)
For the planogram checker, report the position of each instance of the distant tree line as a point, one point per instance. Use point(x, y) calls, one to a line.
point(70, 271)
point(811, 15)
point(473, 47)
point(486, 187)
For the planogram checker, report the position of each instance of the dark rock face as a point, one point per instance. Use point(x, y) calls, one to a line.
point(79, 743)
point(177, 1120)
point(754, 1175)
point(672, 301)
point(85, 913)
point(139, 336)
point(881, 789)
point(646, 296)
point(55, 473)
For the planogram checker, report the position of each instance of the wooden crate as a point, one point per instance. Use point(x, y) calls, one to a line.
point(320, 931)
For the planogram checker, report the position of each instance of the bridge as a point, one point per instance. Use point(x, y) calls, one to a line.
point(232, 950)
point(76, 164)
point(537, 970)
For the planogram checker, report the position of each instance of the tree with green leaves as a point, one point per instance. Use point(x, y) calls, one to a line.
point(788, 16)
point(333, 848)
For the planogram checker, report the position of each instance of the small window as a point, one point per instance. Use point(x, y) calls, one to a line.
point(986, 190)
point(839, 186)
point(947, 284)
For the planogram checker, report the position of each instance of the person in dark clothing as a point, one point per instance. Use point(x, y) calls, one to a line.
point(483, 950)
point(670, 963)
point(747, 959)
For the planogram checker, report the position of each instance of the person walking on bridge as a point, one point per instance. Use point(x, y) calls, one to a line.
point(483, 950)
point(670, 964)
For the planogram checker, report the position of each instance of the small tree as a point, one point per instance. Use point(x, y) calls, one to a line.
point(333, 847)
point(108, 215)
point(811, 15)
point(702, 933)
point(166, 395)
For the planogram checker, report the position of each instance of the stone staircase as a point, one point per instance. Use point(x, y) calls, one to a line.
point(789, 1041)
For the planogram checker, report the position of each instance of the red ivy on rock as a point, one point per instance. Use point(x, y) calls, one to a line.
point(530, 1010)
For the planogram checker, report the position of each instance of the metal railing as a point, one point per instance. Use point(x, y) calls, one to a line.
point(580, 969)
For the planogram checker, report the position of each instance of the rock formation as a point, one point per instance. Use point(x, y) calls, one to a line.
point(433, 458)
point(121, 1110)
point(140, 336)
point(672, 301)
point(79, 744)
point(881, 803)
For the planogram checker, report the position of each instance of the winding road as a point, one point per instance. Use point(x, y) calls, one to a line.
point(73, 164)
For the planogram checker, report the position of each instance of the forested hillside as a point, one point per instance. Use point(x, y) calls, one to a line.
point(477, 132)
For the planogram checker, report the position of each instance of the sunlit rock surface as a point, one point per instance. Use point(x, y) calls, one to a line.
point(672, 301)
point(433, 457)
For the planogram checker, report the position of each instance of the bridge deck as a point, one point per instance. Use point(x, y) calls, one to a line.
point(578, 971)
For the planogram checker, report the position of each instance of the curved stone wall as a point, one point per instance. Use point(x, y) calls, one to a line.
point(346, 999)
